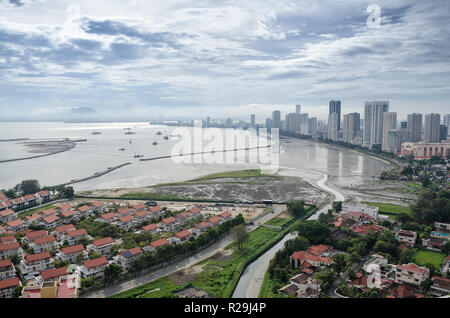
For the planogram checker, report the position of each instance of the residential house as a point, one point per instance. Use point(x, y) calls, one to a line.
point(125, 222)
point(152, 228)
point(54, 274)
point(225, 216)
point(74, 237)
point(7, 250)
point(50, 222)
point(32, 264)
point(365, 229)
point(17, 225)
point(139, 207)
point(99, 206)
point(182, 236)
point(411, 274)
point(156, 211)
point(7, 216)
point(8, 239)
point(440, 286)
point(142, 216)
point(7, 287)
point(65, 286)
point(48, 212)
point(102, 246)
point(62, 230)
point(93, 268)
point(65, 207)
point(202, 226)
point(155, 244)
point(320, 250)
point(126, 257)
point(70, 253)
point(406, 237)
point(86, 211)
point(302, 286)
point(445, 269)
point(32, 235)
point(107, 217)
point(42, 244)
point(308, 261)
point(168, 224)
point(30, 199)
point(43, 196)
point(7, 269)
point(33, 219)
point(69, 216)
point(214, 221)
point(123, 212)
point(371, 211)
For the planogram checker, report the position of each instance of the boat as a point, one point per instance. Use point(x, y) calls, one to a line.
point(166, 137)
point(96, 133)
point(138, 156)
point(130, 132)
point(154, 143)
point(159, 133)
point(121, 149)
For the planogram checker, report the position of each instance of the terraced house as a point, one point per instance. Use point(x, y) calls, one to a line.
point(32, 264)
point(102, 246)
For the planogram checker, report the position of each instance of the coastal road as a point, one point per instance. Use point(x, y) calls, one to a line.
point(200, 256)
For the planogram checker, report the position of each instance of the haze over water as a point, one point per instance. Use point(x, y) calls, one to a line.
point(99, 152)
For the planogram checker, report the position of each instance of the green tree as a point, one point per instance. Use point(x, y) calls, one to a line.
point(28, 187)
point(297, 208)
point(112, 272)
point(79, 258)
point(17, 292)
point(337, 206)
point(240, 235)
point(339, 262)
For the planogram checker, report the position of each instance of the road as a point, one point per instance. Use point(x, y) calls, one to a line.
point(200, 256)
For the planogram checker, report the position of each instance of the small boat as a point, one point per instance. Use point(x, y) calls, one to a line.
point(121, 149)
point(96, 133)
point(159, 133)
point(138, 156)
point(166, 137)
point(154, 143)
point(130, 132)
point(130, 141)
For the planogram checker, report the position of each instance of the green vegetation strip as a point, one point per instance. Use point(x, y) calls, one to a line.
point(219, 277)
point(390, 209)
point(256, 173)
point(423, 257)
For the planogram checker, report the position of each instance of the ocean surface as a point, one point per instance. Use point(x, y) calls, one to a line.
point(99, 152)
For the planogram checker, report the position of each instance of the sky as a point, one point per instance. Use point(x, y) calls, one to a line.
point(180, 59)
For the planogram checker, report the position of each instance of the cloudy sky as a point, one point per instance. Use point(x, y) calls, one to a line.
point(152, 59)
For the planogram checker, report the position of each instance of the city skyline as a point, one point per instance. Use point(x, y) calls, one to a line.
point(61, 60)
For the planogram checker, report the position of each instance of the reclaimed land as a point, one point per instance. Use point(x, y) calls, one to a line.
point(219, 274)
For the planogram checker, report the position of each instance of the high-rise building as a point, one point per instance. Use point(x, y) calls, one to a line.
point(414, 127)
point(229, 123)
point(269, 124)
point(403, 132)
point(373, 122)
point(208, 122)
point(392, 141)
point(298, 109)
point(447, 123)
point(332, 126)
point(432, 128)
point(304, 123)
point(389, 123)
point(351, 126)
point(276, 119)
point(293, 122)
point(312, 126)
point(335, 107)
point(443, 132)
point(252, 121)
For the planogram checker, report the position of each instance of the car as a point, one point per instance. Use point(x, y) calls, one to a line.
point(151, 203)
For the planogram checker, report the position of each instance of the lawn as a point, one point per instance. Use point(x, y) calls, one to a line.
point(37, 210)
point(422, 257)
point(387, 208)
point(279, 221)
point(160, 288)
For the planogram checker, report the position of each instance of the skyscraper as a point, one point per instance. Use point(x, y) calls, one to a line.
point(298, 109)
point(312, 126)
point(443, 132)
point(432, 128)
point(276, 119)
point(389, 123)
point(403, 132)
point(252, 120)
point(335, 107)
point(304, 123)
point(351, 126)
point(447, 123)
point(414, 127)
point(332, 126)
point(373, 122)
point(293, 122)
point(269, 124)
point(392, 141)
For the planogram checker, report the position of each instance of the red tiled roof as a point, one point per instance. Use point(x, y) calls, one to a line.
point(10, 282)
point(68, 213)
point(65, 228)
point(65, 206)
point(103, 241)
point(184, 214)
point(48, 212)
point(72, 249)
point(305, 256)
point(364, 229)
point(29, 197)
point(44, 193)
point(44, 240)
point(51, 218)
point(5, 263)
point(98, 204)
point(108, 216)
point(225, 214)
point(202, 225)
point(53, 273)
point(183, 234)
point(33, 217)
point(6, 212)
point(214, 220)
point(150, 227)
point(134, 251)
point(319, 249)
point(141, 213)
point(126, 218)
point(413, 268)
point(195, 210)
point(84, 208)
point(155, 209)
point(35, 234)
point(124, 211)
point(15, 223)
point(159, 243)
point(8, 239)
point(168, 220)
point(96, 262)
point(9, 246)
point(139, 206)
point(37, 257)
point(76, 233)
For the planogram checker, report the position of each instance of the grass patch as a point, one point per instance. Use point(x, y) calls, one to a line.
point(160, 288)
point(254, 173)
point(422, 257)
point(37, 210)
point(279, 221)
point(387, 208)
